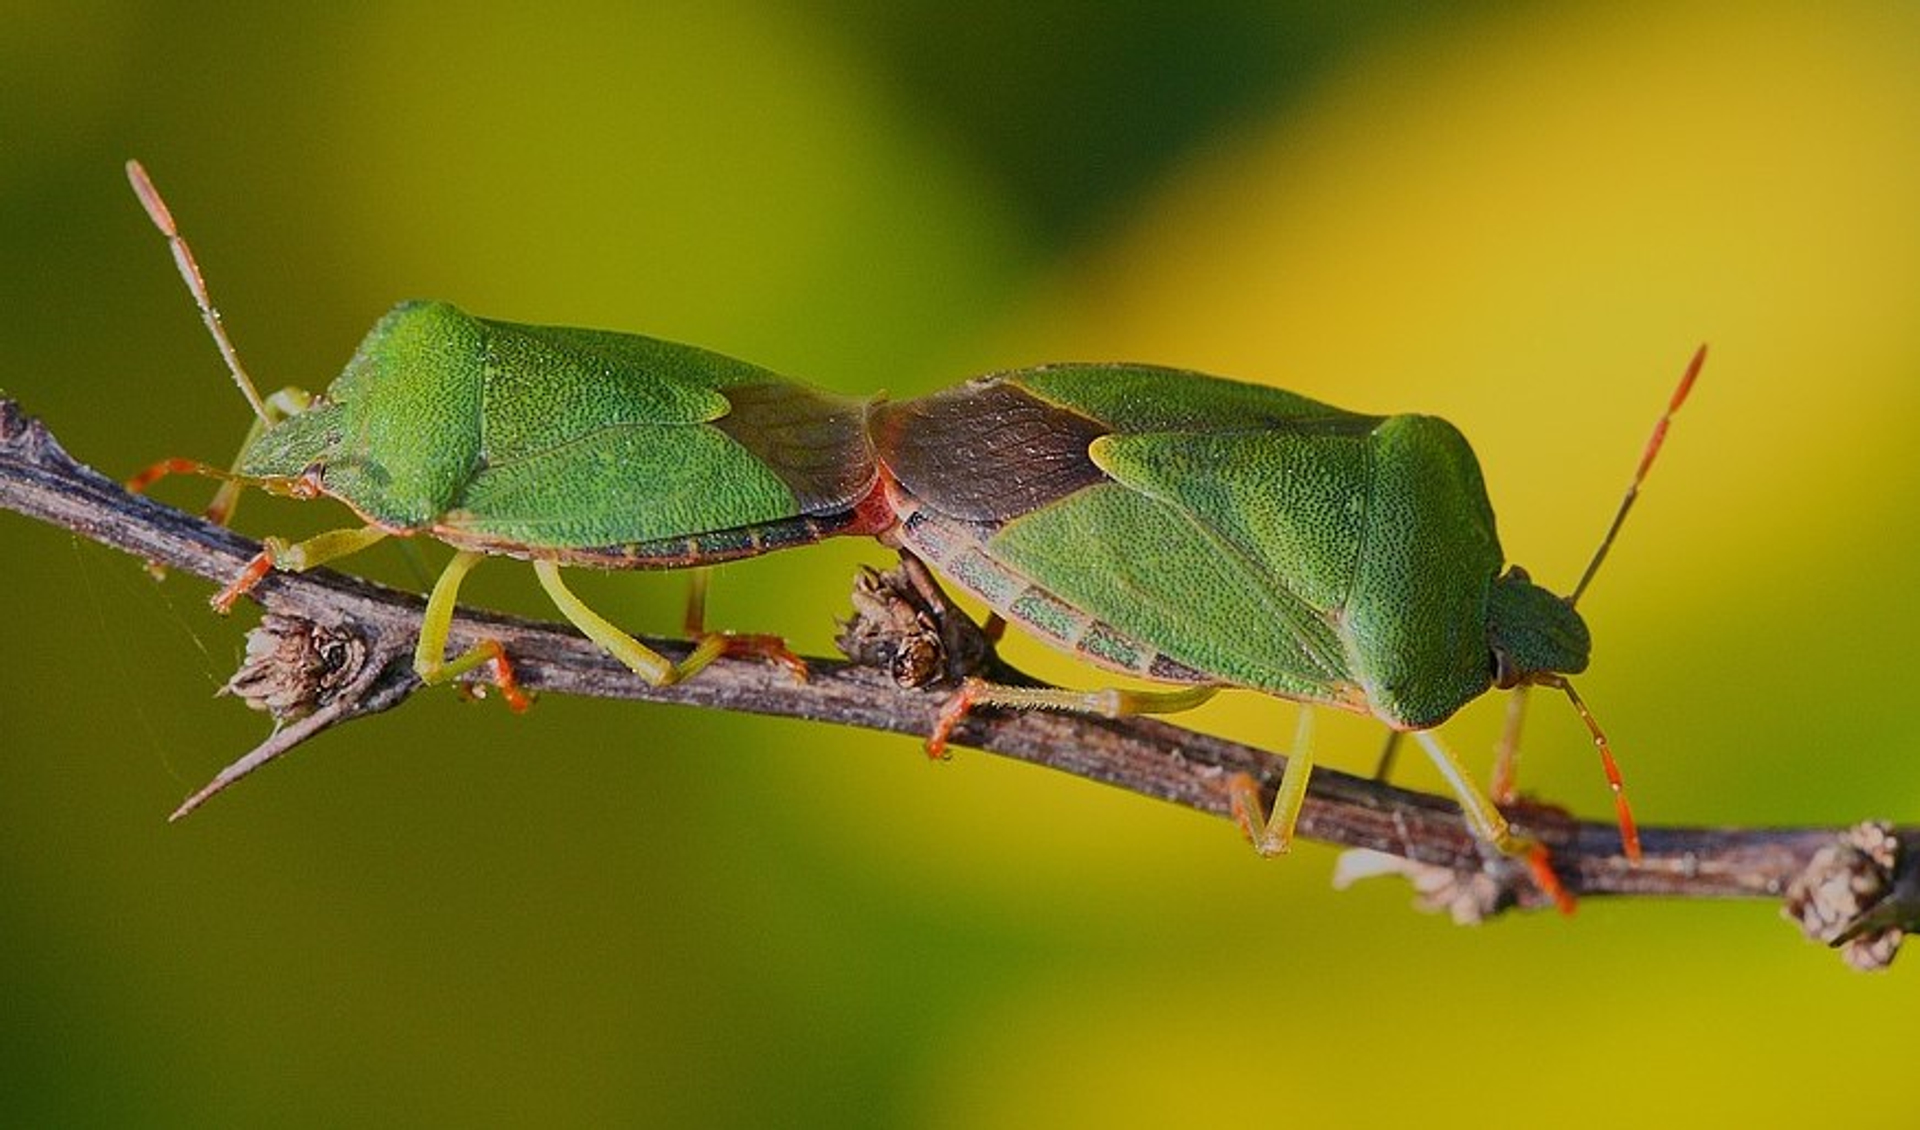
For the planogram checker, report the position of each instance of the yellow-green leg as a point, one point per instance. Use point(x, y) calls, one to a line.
point(743, 644)
point(1274, 835)
point(645, 662)
point(296, 557)
point(1506, 760)
point(1483, 816)
point(698, 580)
point(429, 653)
point(1112, 702)
point(299, 556)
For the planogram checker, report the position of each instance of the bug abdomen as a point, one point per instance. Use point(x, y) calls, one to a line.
point(865, 518)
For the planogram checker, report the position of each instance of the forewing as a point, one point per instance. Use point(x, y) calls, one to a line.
point(813, 441)
point(1157, 550)
point(547, 386)
point(1157, 576)
point(598, 439)
point(1129, 398)
point(986, 451)
point(622, 484)
point(1291, 505)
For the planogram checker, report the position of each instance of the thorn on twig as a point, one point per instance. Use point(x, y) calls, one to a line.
point(310, 678)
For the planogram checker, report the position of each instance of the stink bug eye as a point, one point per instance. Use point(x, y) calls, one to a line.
point(1505, 675)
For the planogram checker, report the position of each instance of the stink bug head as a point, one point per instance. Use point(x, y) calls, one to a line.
point(1533, 632)
point(292, 447)
point(299, 445)
point(396, 435)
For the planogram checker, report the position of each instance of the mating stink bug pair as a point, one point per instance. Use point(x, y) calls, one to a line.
point(1156, 522)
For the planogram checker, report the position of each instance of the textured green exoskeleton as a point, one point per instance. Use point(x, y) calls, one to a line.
point(576, 446)
point(1205, 532)
point(555, 445)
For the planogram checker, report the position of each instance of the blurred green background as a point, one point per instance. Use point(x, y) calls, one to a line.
point(1520, 216)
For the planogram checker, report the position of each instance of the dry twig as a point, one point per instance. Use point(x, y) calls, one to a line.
point(333, 648)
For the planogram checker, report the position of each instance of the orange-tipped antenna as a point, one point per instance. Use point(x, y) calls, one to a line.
point(1623, 812)
point(1629, 832)
point(190, 271)
point(1654, 442)
point(1510, 740)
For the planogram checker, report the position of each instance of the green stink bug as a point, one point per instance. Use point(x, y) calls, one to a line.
point(555, 445)
point(1209, 533)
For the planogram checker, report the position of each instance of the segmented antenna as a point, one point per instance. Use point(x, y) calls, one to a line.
point(1510, 740)
point(1654, 442)
point(1623, 812)
point(162, 218)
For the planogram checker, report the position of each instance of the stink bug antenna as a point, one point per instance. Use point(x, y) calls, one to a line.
point(1506, 763)
point(1622, 811)
point(162, 218)
point(1654, 442)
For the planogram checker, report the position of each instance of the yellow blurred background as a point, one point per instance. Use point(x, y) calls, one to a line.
point(1523, 217)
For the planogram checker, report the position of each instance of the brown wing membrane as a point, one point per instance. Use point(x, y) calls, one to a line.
point(986, 451)
point(814, 441)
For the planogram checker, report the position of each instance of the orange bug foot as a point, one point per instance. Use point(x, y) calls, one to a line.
point(241, 585)
point(139, 483)
point(1540, 866)
point(491, 655)
point(951, 715)
point(773, 649)
point(501, 669)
